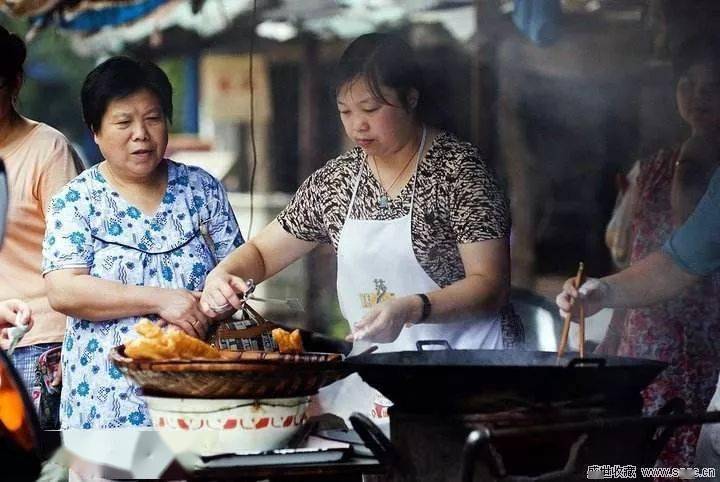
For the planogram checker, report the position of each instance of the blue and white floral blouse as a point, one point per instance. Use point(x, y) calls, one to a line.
point(90, 226)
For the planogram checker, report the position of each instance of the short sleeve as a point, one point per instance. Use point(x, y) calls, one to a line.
point(68, 239)
point(60, 168)
point(223, 226)
point(304, 216)
point(478, 207)
point(695, 246)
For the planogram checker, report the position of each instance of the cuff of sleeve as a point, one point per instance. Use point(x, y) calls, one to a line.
point(669, 248)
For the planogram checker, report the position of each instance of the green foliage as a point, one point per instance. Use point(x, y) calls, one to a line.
point(54, 75)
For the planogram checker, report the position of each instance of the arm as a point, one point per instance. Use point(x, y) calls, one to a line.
point(484, 290)
point(692, 251)
point(68, 293)
point(486, 286)
point(272, 250)
point(655, 279)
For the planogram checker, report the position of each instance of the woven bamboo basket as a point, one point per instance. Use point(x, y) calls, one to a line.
point(245, 374)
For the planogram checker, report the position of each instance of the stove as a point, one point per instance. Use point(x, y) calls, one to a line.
point(557, 441)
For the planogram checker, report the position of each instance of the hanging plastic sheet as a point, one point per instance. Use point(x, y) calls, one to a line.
point(538, 20)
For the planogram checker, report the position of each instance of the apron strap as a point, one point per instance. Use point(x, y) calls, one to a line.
point(417, 165)
point(355, 188)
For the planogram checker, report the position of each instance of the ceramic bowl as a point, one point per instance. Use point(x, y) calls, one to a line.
point(217, 426)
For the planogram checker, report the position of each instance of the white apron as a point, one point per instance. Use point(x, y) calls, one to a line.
point(376, 262)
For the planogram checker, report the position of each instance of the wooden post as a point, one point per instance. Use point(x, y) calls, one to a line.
point(308, 139)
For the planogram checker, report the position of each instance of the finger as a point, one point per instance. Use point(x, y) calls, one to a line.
point(360, 329)
point(202, 323)
point(588, 287)
point(23, 317)
point(16, 305)
point(207, 310)
point(238, 284)
point(186, 326)
point(380, 330)
point(230, 297)
point(569, 287)
point(563, 301)
point(366, 326)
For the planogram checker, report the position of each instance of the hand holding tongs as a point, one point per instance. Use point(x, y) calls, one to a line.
point(292, 303)
point(577, 283)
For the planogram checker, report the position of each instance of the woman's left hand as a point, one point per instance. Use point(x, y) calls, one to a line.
point(384, 321)
point(13, 313)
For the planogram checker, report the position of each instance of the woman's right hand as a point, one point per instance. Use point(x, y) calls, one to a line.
point(15, 312)
point(592, 294)
point(220, 295)
point(181, 308)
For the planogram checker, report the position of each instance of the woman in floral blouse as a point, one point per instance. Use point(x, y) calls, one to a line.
point(133, 236)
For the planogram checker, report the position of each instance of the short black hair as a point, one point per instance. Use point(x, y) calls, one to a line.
point(13, 57)
point(117, 78)
point(382, 59)
point(698, 49)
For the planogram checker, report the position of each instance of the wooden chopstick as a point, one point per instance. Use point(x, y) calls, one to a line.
point(579, 280)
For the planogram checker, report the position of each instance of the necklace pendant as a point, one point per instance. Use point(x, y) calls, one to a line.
point(383, 202)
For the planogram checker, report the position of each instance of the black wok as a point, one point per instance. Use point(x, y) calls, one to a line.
point(472, 380)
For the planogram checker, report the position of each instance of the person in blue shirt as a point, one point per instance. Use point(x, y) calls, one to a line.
point(134, 236)
point(691, 252)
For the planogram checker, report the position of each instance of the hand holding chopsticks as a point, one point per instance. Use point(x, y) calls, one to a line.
point(577, 283)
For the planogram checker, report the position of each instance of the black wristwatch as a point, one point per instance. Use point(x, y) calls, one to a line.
point(426, 308)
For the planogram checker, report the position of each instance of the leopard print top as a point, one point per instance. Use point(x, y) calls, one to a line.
point(457, 200)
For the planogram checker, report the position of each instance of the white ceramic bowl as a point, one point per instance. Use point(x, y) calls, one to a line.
point(216, 426)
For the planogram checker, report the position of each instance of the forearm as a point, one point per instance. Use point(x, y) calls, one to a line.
point(245, 262)
point(94, 299)
point(653, 280)
point(473, 296)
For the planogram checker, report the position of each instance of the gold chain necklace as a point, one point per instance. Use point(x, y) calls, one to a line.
point(384, 200)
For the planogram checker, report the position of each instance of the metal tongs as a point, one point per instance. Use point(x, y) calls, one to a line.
point(291, 303)
point(16, 333)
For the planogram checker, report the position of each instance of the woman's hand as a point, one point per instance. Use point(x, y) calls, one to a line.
point(592, 294)
point(219, 297)
point(14, 312)
point(384, 321)
point(181, 309)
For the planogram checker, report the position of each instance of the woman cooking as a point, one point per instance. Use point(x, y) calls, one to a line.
point(132, 236)
point(418, 222)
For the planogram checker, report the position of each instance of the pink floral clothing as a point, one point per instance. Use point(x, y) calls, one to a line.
point(684, 332)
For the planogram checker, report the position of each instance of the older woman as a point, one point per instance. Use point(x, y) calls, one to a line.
point(133, 236)
point(418, 222)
